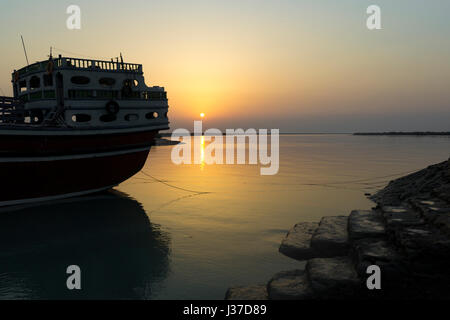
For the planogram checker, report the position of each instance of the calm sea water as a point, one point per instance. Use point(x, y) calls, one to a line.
point(192, 231)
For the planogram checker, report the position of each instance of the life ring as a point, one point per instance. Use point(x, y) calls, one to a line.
point(50, 67)
point(112, 107)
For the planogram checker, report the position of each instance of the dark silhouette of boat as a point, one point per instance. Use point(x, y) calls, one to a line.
point(121, 254)
point(76, 126)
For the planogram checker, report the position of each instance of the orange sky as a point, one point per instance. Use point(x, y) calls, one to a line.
point(303, 66)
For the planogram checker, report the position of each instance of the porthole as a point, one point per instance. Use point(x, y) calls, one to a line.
point(80, 80)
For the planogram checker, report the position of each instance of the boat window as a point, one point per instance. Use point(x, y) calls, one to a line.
point(82, 117)
point(36, 95)
point(152, 115)
point(109, 94)
point(165, 115)
point(135, 95)
point(131, 117)
point(48, 80)
point(23, 86)
point(135, 83)
point(108, 118)
point(155, 95)
point(49, 94)
point(80, 80)
point(107, 82)
point(81, 94)
point(35, 83)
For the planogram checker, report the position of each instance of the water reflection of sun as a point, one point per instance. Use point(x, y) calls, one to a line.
point(202, 153)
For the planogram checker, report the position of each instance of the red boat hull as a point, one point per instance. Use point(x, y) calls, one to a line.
point(59, 144)
point(32, 181)
point(47, 167)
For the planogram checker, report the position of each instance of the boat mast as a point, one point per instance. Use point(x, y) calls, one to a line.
point(25, 50)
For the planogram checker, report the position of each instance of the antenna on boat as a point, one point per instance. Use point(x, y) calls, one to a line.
point(121, 58)
point(25, 50)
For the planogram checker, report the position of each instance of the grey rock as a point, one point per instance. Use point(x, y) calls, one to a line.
point(255, 292)
point(434, 211)
point(297, 243)
point(401, 218)
point(425, 184)
point(373, 251)
point(365, 224)
point(333, 277)
point(378, 252)
point(289, 285)
point(394, 209)
point(423, 243)
point(331, 237)
point(443, 222)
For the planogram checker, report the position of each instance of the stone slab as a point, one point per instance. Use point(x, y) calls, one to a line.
point(333, 277)
point(331, 237)
point(365, 224)
point(255, 292)
point(297, 243)
point(289, 285)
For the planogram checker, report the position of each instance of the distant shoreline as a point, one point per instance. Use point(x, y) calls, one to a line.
point(169, 134)
point(393, 133)
point(415, 133)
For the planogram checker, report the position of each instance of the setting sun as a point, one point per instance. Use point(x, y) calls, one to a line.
point(202, 115)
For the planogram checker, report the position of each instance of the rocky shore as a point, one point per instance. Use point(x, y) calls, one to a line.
point(407, 235)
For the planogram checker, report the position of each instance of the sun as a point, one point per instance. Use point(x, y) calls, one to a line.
point(202, 115)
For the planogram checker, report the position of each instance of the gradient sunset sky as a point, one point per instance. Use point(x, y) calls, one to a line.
point(299, 65)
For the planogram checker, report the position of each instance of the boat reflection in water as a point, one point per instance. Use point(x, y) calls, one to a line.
point(109, 236)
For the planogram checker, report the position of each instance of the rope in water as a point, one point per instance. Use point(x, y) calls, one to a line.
point(172, 186)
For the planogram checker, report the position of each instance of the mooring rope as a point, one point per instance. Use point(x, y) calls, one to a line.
point(172, 186)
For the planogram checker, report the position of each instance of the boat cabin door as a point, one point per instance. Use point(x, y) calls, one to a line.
point(59, 90)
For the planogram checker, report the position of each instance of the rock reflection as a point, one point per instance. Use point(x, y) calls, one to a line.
point(122, 255)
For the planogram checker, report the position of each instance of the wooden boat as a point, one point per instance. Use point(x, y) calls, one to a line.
point(76, 126)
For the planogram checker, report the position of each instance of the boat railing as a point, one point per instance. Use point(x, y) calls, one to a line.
point(102, 65)
point(11, 110)
point(84, 64)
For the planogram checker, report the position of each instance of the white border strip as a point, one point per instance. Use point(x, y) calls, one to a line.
point(38, 131)
point(72, 157)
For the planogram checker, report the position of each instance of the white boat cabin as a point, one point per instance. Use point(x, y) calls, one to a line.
point(88, 93)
